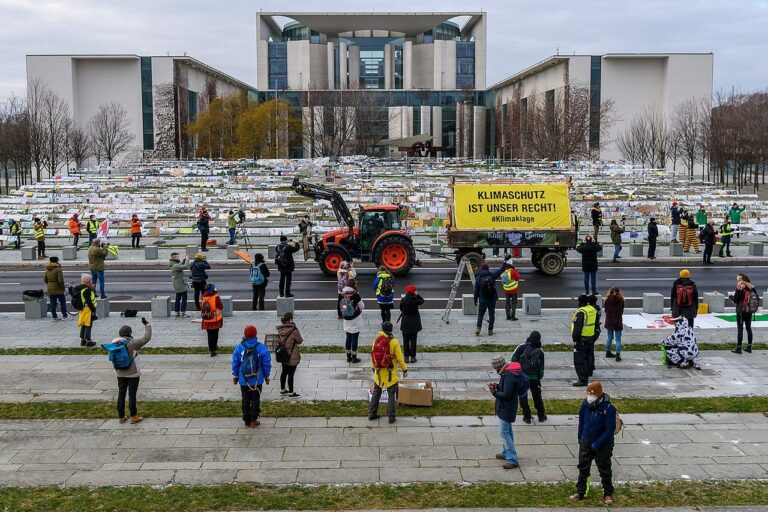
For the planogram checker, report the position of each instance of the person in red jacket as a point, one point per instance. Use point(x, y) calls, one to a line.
point(510, 280)
point(135, 231)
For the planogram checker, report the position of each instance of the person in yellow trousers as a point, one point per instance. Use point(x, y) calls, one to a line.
point(88, 312)
point(683, 231)
point(386, 358)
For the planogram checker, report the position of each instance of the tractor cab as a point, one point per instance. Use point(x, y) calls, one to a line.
point(375, 220)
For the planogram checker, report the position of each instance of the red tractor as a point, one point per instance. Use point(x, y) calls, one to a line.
point(378, 237)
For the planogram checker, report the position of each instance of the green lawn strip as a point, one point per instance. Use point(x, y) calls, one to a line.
point(366, 497)
point(339, 349)
point(359, 408)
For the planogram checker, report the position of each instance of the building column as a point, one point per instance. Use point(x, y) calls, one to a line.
point(425, 119)
point(331, 68)
point(342, 65)
point(464, 132)
point(406, 121)
point(408, 65)
point(388, 66)
point(478, 133)
point(437, 128)
point(354, 67)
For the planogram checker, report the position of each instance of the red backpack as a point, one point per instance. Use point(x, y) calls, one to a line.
point(684, 295)
point(380, 355)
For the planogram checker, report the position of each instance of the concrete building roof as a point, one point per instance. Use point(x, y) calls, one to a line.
point(410, 23)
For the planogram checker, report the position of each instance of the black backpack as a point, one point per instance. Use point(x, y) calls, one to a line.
point(529, 361)
point(281, 258)
point(76, 297)
point(386, 288)
point(488, 286)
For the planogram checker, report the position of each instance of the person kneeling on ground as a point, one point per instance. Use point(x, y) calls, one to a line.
point(531, 359)
point(251, 367)
point(386, 357)
point(506, 393)
point(128, 379)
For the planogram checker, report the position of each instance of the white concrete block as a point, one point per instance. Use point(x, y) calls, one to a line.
point(532, 304)
point(161, 306)
point(715, 301)
point(226, 300)
point(151, 252)
point(284, 305)
point(653, 303)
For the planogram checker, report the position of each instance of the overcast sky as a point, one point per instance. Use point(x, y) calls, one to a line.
point(520, 32)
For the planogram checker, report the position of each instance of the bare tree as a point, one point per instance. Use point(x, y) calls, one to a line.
point(109, 131)
point(646, 140)
point(687, 130)
point(78, 145)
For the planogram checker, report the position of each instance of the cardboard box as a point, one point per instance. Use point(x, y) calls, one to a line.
point(415, 392)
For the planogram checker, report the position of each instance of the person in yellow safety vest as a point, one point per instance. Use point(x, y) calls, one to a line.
point(39, 230)
point(88, 314)
point(74, 228)
point(16, 232)
point(583, 324)
point(510, 280)
point(92, 228)
point(726, 230)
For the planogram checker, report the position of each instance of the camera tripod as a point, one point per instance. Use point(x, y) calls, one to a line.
point(242, 233)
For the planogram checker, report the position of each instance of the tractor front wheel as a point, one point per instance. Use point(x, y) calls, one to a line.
point(330, 260)
point(397, 254)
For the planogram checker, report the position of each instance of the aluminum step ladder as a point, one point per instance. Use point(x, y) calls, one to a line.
point(464, 264)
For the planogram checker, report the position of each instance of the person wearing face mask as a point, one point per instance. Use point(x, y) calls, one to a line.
point(597, 424)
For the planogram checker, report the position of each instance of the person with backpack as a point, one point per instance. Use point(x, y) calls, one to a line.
point(386, 358)
point(583, 328)
point(97, 254)
point(128, 378)
point(507, 393)
point(614, 321)
point(616, 231)
point(531, 359)
point(15, 232)
point(179, 283)
point(285, 264)
point(653, 235)
point(54, 279)
point(39, 228)
point(213, 319)
point(288, 353)
point(352, 307)
point(259, 277)
point(726, 232)
point(410, 321)
point(204, 226)
point(251, 368)
point(747, 303)
point(588, 251)
point(74, 229)
point(199, 276)
point(708, 236)
point(84, 299)
point(384, 286)
point(685, 297)
point(510, 283)
point(344, 275)
point(597, 426)
point(485, 295)
point(136, 225)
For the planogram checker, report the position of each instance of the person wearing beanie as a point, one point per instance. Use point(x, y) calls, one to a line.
point(352, 307)
point(685, 297)
point(510, 281)
point(675, 214)
point(506, 393)
point(39, 228)
point(384, 286)
point(531, 359)
point(589, 250)
point(486, 295)
point(597, 424)
point(97, 254)
point(346, 273)
point(386, 358)
point(54, 279)
point(251, 368)
point(583, 329)
point(212, 318)
point(290, 340)
point(204, 226)
point(92, 228)
point(87, 315)
point(285, 264)
point(128, 379)
point(259, 266)
point(136, 225)
point(410, 321)
point(199, 276)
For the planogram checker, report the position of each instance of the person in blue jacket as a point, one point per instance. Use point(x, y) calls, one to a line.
point(487, 295)
point(384, 286)
point(597, 423)
point(250, 386)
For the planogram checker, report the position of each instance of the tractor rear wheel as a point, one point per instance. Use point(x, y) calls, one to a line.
point(552, 263)
point(330, 260)
point(475, 259)
point(397, 254)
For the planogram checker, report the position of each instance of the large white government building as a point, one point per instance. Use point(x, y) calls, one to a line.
point(425, 72)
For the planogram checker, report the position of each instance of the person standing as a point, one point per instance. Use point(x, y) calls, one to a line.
point(15, 227)
point(285, 264)
point(291, 340)
point(616, 231)
point(197, 271)
point(259, 277)
point(386, 358)
point(410, 321)
point(231, 226)
point(88, 314)
point(614, 321)
point(701, 217)
point(54, 278)
point(213, 319)
point(744, 310)
point(128, 379)
point(305, 226)
point(734, 212)
point(726, 230)
point(97, 253)
point(708, 239)
point(92, 228)
point(204, 226)
point(384, 286)
point(597, 424)
point(583, 322)
point(344, 275)
point(685, 297)
point(653, 234)
point(589, 266)
point(136, 225)
point(179, 283)
point(675, 213)
point(597, 219)
point(510, 283)
point(692, 235)
point(531, 359)
point(39, 229)
point(352, 307)
point(485, 293)
point(506, 393)
point(74, 229)
point(251, 368)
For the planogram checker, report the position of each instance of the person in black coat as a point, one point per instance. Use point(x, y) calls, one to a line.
point(410, 321)
point(260, 290)
point(285, 264)
point(203, 225)
point(688, 292)
point(653, 234)
point(199, 276)
point(597, 219)
point(588, 251)
point(506, 393)
point(707, 237)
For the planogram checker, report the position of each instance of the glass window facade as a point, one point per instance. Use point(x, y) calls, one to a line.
point(147, 115)
point(465, 64)
point(447, 32)
point(372, 60)
point(278, 65)
point(595, 77)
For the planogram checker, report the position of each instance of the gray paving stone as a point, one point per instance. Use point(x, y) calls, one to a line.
point(253, 454)
point(101, 477)
point(333, 453)
point(271, 476)
point(101, 455)
point(394, 475)
point(34, 478)
point(204, 477)
point(178, 455)
point(42, 456)
point(491, 474)
point(338, 476)
point(417, 452)
point(676, 472)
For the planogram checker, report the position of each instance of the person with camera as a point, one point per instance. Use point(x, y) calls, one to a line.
point(616, 231)
point(96, 256)
point(506, 393)
point(305, 226)
point(179, 283)
point(234, 220)
point(285, 264)
point(128, 379)
point(204, 226)
point(197, 271)
point(136, 226)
